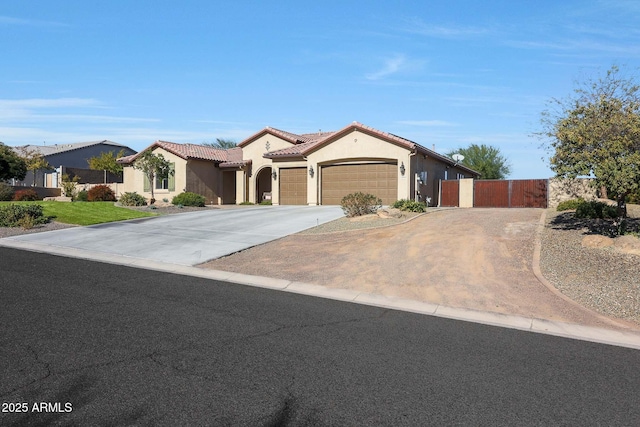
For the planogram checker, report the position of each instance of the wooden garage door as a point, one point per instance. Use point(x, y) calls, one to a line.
point(293, 186)
point(379, 179)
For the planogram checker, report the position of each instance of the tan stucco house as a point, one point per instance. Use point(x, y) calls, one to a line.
point(302, 169)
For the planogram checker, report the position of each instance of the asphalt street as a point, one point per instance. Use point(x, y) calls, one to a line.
point(86, 343)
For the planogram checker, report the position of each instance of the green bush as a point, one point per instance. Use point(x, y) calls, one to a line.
point(247, 203)
point(132, 199)
point(189, 199)
point(101, 193)
point(82, 196)
point(569, 205)
point(6, 192)
point(595, 209)
point(266, 202)
point(357, 204)
point(409, 205)
point(13, 215)
point(25, 196)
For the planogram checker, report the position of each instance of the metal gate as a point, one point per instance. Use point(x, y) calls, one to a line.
point(449, 193)
point(517, 193)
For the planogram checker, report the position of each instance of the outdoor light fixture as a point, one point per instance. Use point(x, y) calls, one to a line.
point(274, 175)
point(402, 169)
point(311, 171)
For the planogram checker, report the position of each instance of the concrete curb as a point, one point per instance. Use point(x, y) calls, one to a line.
point(629, 339)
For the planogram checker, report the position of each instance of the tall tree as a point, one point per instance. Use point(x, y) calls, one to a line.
point(11, 164)
point(595, 132)
point(153, 165)
point(34, 160)
point(106, 161)
point(222, 143)
point(485, 159)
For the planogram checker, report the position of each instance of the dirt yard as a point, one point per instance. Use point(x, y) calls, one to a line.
point(471, 258)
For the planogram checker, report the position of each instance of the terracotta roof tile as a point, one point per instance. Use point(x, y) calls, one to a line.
point(194, 151)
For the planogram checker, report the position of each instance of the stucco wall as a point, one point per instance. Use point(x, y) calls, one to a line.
point(204, 178)
point(255, 151)
point(134, 179)
point(358, 147)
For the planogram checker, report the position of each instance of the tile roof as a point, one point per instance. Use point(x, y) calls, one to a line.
point(229, 158)
point(311, 142)
point(48, 150)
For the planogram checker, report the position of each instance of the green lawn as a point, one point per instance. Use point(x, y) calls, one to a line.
point(86, 213)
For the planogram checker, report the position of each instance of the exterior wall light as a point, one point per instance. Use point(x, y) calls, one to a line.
point(311, 172)
point(274, 175)
point(402, 169)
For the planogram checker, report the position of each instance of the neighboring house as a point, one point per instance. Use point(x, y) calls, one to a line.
point(74, 156)
point(307, 169)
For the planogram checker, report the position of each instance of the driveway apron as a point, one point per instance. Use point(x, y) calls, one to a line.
point(189, 238)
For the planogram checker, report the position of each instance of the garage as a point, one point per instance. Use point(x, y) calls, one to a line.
point(379, 179)
point(293, 186)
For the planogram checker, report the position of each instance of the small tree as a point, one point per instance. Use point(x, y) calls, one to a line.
point(106, 161)
point(153, 165)
point(222, 143)
point(596, 132)
point(34, 161)
point(485, 159)
point(11, 164)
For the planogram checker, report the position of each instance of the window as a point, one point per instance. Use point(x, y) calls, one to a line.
point(162, 182)
point(165, 182)
point(460, 176)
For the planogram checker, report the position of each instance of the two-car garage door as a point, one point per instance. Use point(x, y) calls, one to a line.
point(379, 179)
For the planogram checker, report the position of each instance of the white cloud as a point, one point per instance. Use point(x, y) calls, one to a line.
point(417, 26)
point(8, 20)
point(396, 64)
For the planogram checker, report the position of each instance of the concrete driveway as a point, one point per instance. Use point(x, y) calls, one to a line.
point(189, 238)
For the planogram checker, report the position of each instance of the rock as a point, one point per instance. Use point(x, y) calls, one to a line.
point(389, 213)
point(628, 244)
point(597, 241)
point(57, 199)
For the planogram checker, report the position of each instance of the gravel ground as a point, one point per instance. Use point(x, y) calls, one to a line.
point(599, 278)
point(361, 223)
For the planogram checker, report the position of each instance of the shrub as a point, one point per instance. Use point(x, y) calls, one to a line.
point(6, 192)
point(82, 196)
point(132, 199)
point(25, 196)
point(266, 202)
point(409, 205)
point(247, 203)
point(189, 199)
point(101, 193)
point(13, 215)
point(595, 209)
point(69, 185)
point(569, 205)
point(357, 204)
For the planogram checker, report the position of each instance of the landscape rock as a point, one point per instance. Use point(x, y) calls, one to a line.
point(389, 213)
point(597, 241)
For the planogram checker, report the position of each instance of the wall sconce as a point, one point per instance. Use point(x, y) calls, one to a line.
point(274, 175)
point(311, 171)
point(402, 169)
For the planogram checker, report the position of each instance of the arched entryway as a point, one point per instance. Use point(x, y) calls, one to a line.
point(263, 185)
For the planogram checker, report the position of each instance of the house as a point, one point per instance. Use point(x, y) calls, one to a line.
point(210, 172)
point(69, 156)
point(302, 169)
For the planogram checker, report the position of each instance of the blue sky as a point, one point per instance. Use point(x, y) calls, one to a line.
point(444, 73)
